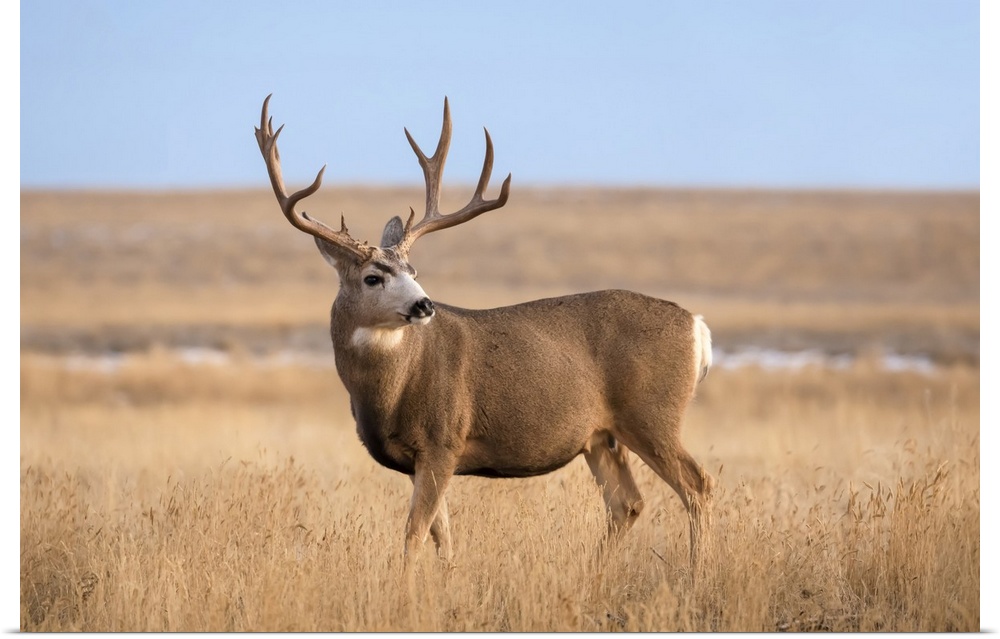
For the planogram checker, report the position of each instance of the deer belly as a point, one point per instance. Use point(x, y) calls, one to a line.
point(485, 459)
point(512, 470)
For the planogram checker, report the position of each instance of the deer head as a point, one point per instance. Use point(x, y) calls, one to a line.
point(379, 281)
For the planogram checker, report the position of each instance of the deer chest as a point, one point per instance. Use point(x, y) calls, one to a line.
point(382, 439)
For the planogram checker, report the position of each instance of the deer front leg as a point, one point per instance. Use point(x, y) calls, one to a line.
point(427, 505)
point(440, 529)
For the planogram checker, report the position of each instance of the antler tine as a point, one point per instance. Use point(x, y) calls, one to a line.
point(267, 140)
point(433, 167)
point(484, 179)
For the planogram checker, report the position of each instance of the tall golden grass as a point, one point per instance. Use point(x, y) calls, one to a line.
point(173, 497)
point(158, 494)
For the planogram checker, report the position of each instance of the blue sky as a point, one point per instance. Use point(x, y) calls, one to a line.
point(723, 93)
point(760, 93)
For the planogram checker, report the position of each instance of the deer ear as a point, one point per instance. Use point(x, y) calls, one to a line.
point(392, 233)
point(329, 252)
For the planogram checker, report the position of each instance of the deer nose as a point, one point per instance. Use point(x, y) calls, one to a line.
point(422, 308)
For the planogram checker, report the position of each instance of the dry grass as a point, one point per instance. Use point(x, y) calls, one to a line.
point(168, 496)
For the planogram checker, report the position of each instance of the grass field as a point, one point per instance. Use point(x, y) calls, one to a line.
point(228, 491)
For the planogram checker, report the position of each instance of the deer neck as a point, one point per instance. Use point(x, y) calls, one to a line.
point(376, 363)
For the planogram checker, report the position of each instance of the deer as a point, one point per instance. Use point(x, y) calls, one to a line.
point(438, 391)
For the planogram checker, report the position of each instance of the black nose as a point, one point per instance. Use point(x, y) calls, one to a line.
point(422, 308)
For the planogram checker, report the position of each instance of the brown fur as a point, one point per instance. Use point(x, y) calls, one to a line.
point(522, 390)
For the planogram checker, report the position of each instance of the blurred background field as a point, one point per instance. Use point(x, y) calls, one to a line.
point(839, 271)
point(188, 459)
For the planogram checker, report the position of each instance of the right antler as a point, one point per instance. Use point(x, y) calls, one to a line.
point(433, 168)
point(267, 139)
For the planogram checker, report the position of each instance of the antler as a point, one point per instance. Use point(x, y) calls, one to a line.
point(433, 167)
point(267, 139)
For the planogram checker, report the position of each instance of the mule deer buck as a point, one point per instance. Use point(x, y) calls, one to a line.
point(438, 391)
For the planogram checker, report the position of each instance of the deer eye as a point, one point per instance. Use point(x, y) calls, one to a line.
point(373, 280)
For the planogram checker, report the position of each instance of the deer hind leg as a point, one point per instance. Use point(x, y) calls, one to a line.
point(608, 461)
point(693, 485)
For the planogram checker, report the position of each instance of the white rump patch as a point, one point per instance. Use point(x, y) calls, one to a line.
point(382, 338)
point(702, 348)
